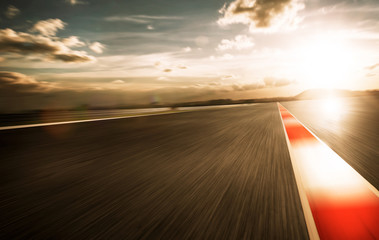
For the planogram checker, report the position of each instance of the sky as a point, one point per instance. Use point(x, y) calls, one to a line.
point(70, 53)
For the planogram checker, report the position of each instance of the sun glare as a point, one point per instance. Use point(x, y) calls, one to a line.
point(326, 62)
point(332, 108)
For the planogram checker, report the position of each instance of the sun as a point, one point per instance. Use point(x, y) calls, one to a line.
point(326, 62)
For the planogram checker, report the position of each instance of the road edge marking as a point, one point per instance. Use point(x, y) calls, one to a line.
point(367, 183)
point(83, 121)
point(309, 221)
point(112, 118)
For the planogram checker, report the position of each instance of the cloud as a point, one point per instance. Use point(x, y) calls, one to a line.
point(73, 56)
point(372, 67)
point(158, 17)
point(224, 57)
point(97, 47)
point(227, 57)
point(371, 70)
point(276, 82)
point(73, 41)
point(370, 75)
point(12, 12)
point(262, 15)
point(230, 87)
point(229, 77)
point(126, 19)
point(187, 49)
point(19, 82)
point(201, 41)
point(45, 46)
point(15, 78)
point(268, 82)
point(239, 42)
point(150, 27)
point(118, 81)
point(141, 19)
point(168, 67)
point(343, 7)
point(20, 92)
point(182, 67)
point(163, 79)
point(247, 87)
point(48, 27)
point(76, 2)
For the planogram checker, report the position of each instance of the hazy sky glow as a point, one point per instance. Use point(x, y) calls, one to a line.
point(64, 53)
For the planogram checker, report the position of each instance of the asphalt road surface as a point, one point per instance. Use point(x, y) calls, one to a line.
point(38, 117)
point(210, 174)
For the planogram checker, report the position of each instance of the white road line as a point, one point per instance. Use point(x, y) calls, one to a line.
point(112, 118)
point(81, 121)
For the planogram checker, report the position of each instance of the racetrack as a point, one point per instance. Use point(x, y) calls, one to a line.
point(210, 174)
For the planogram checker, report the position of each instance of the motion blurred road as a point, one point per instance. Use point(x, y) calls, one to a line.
point(208, 174)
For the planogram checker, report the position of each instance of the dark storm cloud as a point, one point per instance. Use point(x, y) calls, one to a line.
point(50, 48)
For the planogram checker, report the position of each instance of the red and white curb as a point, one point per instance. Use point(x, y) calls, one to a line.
point(338, 203)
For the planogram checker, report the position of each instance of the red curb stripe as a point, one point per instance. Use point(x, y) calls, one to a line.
point(343, 204)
